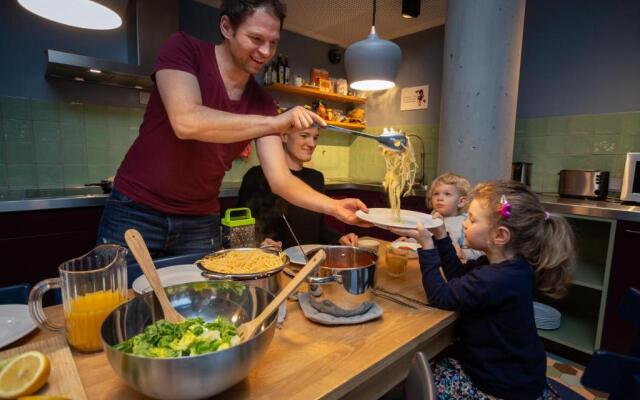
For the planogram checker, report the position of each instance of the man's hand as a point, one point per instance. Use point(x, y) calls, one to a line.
point(350, 239)
point(345, 209)
point(268, 242)
point(296, 119)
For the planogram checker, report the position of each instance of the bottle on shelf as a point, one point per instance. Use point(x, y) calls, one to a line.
point(274, 72)
point(287, 71)
point(267, 74)
point(280, 68)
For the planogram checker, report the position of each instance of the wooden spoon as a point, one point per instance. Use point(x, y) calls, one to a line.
point(141, 253)
point(247, 330)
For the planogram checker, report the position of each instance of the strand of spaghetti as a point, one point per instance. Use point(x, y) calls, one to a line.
point(399, 177)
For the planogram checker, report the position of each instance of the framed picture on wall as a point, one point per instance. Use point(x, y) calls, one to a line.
point(414, 98)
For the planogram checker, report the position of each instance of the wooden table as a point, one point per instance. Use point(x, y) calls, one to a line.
point(310, 361)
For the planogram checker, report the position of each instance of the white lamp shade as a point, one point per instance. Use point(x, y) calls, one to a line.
point(372, 63)
point(85, 14)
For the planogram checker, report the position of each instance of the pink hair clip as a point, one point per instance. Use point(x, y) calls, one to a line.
point(505, 208)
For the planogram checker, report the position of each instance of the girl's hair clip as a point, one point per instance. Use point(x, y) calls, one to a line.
point(505, 208)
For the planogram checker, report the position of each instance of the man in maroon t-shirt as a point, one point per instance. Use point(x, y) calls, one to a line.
point(204, 110)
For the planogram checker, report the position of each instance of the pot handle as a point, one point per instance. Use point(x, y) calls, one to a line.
point(317, 280)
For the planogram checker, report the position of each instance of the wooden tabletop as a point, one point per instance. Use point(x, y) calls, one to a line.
point(310, 361)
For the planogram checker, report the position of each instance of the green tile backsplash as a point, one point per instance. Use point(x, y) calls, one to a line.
point(598, 141)
point(47, 144)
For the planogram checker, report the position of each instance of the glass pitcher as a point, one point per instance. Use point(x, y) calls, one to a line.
point(92, 286)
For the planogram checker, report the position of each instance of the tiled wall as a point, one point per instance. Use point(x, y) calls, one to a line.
point(367, 163)
point(576, 142)
point(53, 144)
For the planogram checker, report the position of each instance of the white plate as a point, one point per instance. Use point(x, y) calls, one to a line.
point(382, 218)
point(296, 256)
point(15, 322)
point(412, 246)
point(174, 275)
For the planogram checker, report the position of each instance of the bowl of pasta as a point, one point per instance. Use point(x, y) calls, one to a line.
point(256, 267)
point(193, 359)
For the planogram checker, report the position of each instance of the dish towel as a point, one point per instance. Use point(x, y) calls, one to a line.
point(374, 312)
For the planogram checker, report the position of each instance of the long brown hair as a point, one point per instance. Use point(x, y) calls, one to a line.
point(546, 241)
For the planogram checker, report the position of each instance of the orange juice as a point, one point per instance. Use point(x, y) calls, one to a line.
point(84, 316)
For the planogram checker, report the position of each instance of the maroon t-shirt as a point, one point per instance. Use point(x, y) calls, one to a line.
point(183, 176)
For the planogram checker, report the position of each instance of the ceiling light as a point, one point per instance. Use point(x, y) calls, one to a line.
point(95, 71)
point(410, 8)
point(372, 63)
point(79, 13)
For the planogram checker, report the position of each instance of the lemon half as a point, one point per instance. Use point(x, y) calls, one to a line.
point(25, 374)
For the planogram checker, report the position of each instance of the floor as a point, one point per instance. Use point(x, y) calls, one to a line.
point(569, 374)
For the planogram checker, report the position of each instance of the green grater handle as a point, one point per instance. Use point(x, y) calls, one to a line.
point(238, 217)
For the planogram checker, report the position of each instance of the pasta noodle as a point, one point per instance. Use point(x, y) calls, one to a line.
point(242, 262)
point(400, 174)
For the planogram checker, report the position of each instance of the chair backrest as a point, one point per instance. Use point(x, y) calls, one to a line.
point(419, 384)
point(16, 294)
point(617, 374)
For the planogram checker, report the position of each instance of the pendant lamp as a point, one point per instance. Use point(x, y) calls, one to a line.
point(372, 63)
point(85, 14)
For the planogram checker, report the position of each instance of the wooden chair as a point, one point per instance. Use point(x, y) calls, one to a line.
point(617, 374)
point(16, 294)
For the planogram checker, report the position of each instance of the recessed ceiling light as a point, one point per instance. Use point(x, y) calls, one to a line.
point(95, 71)
point(410, 8)
point(79, 13)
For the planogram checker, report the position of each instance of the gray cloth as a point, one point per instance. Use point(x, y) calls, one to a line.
point(374, 312)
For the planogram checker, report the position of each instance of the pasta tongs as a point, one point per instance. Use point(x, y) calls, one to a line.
point(395, 142)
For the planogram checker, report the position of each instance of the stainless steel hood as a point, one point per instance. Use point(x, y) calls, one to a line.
point(150, 22)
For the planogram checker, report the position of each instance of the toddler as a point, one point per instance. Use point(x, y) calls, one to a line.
point(499, 353)
point(448, 196)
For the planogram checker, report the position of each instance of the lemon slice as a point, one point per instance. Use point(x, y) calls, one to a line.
point(25, 374)
point(43, 398)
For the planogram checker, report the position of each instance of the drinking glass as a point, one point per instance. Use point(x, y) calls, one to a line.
point(396, 260)
point(92, 286)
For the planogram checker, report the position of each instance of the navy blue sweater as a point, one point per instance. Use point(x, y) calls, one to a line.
point(498, 344)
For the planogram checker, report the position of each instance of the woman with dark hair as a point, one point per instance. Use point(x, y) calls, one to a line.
point(205, 108)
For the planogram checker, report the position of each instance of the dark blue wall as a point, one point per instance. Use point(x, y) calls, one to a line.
point(23, 39)
point(580, 57)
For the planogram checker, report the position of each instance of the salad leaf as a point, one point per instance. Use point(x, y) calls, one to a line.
point(193, 336)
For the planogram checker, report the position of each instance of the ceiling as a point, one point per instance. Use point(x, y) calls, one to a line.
point(344, 22)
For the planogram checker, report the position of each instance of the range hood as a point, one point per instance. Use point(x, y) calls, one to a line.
point(150, 23)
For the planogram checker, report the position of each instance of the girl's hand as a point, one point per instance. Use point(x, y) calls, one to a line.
point(420, 234)
point(439, 232)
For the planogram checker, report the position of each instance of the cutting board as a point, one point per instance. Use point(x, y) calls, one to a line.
point(64, 379)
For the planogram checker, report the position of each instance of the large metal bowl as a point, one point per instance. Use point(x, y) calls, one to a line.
point(193, 377)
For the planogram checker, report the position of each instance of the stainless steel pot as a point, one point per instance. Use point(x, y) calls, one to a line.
point(346, 279)
point(267, 280)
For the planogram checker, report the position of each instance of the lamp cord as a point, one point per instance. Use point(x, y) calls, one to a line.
point(374, 13)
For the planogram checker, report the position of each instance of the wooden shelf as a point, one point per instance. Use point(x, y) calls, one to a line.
point(315, 93)
point(347, 125)
point(589, 275)
point(576, 331)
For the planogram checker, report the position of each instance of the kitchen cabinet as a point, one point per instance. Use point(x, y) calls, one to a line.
point(583, 309)
point(317, 94)
point(618, 333)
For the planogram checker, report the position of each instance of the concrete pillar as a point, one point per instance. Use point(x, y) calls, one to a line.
point(482, 49)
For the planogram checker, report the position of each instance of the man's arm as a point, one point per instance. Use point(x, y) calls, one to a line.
point(286, 185)
point(180, 93)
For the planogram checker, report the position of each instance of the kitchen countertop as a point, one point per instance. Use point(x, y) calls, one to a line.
point(45, 199)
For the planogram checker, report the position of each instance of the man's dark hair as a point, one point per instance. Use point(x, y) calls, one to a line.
point(239, 10)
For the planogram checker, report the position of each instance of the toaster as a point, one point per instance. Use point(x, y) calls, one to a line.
point(583, 183)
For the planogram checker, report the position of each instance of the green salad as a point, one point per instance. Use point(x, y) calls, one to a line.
point(191, 337)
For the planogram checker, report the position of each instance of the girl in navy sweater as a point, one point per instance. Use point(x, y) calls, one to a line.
point(498, 353)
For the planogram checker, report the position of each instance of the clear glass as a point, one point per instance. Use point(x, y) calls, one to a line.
point(396, 260)
point(92, 286)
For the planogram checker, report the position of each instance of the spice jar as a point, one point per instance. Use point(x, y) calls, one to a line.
point(396, 260)
point(238, 228)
